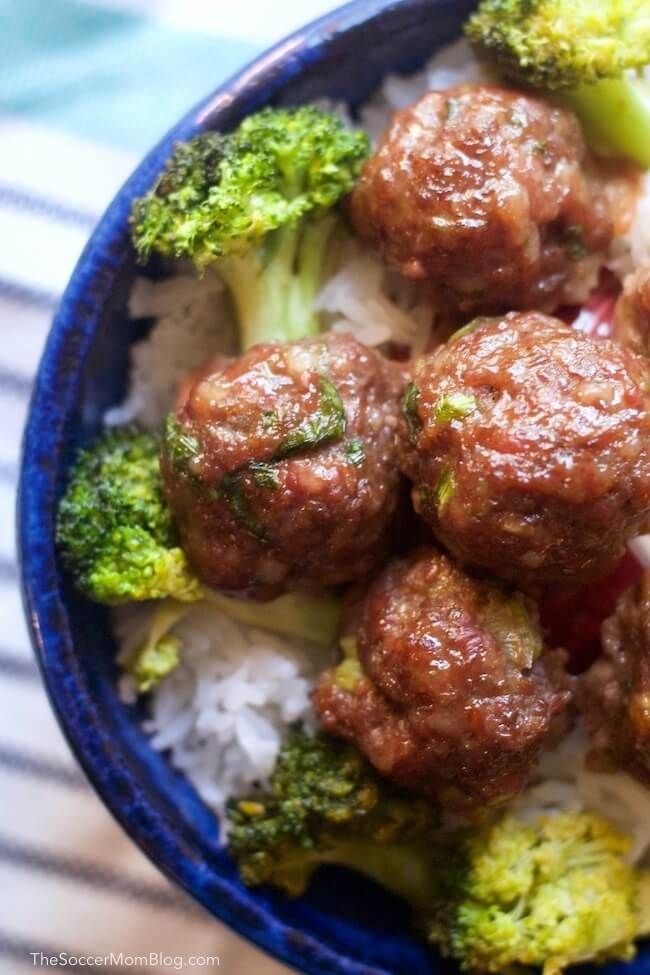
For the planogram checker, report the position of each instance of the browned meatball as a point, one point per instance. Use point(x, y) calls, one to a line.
point(440, 689)
point(632, 312)
point(614, 695)
point(489, 196)
point(280, 466)
point(529, 447)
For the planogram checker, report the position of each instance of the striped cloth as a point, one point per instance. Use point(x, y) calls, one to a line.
point(85, 89)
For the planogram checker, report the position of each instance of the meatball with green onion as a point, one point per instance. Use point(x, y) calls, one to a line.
point(280, 466)
point(442, 685)
point(528, 445)
point(489, 198)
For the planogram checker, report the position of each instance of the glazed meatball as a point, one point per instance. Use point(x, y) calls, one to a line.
point(490, 197)
point(442, 689)
point(632, 312)
point(529, 448)
point(614, 695)
point(280, 466)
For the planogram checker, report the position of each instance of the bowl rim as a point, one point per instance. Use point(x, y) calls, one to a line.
point(48, 409)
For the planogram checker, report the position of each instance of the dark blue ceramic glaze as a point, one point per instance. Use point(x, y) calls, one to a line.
point(344, 924)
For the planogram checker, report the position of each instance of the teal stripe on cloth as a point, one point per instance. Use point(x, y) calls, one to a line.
point(104, 74)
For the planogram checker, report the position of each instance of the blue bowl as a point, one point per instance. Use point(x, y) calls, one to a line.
point(344, 924)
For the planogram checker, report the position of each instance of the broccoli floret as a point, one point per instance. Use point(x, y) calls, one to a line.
point(327, 805)
point(114, 529)
point(257, 205)
point(547, 894)
point(154, 661)
point(501, 897)
point(589, 53)
point(159, 653)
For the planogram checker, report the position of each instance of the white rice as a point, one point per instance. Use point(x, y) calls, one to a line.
point(192, 324)
point(222, 714)
point(633, 247)
point(363, 297)
point(223, 711)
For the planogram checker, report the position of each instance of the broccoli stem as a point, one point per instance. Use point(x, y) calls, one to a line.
point(312, 254)
point(616, 116)
point(643, 902)
point(407, 870)
point(274, 298)
point(296, 615)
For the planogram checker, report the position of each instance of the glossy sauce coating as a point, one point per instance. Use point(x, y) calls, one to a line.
point(489, 197)
point(529, 448)
point(293, 479)
point(632, 312)
point(614, 695)
point(449, 702)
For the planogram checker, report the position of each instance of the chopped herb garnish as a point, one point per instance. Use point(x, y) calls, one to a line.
point(574, 242)
point(506, 617)
point(453, 407)
point(444, 489)
point(541, 149)
point(410, 407)
point(232, 490)
point(264, 475)
point(425, 496)
point(270, 419)
point(326, 424)
point(182, 448)
point(451, 107)
point(469, 328)
point(355, 452)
